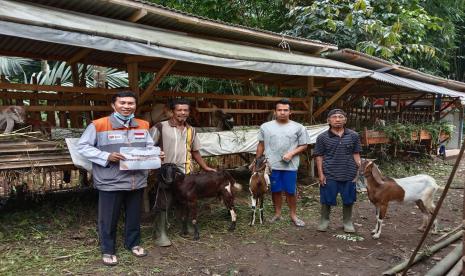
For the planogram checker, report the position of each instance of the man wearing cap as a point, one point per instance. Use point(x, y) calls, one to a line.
point(338, 159)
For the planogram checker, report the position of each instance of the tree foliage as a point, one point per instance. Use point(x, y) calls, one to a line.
point(264, 14)
point(402, 31)
point(423, 34)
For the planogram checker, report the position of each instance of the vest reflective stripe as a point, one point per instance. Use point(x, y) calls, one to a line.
point(188, 149)
point(104, 124)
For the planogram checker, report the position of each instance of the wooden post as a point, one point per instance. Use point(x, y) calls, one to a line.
point(62, 118)
point(398, 109)
point(133, 74)
point(433, 107)
point(310, 90)
point(311, 119)
point(35, 101)
point(74, 116)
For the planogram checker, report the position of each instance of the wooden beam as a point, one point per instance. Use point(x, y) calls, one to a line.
point(137, 15)
point(156, 80)
point(334, 98)
point(132, 59)
point(223, 97)
point(448, 104)
point(81, 54)
point(414, 101)
point(244, 111)
point(445, 114)
point(52, 96)
point(58, 88)
point(67, 108)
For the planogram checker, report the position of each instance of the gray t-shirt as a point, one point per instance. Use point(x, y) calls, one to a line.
point(279, 139)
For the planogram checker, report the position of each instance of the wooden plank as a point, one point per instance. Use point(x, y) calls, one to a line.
point(26, 143)
point(132, 59)
point(79, 55)
point(245, 111)
point(51, 96)
point(334, 98)
point(137, 15)
point(59, 88)
point(156, 80)
point(56, 163)
point(37, 149)
point(35, 157)
point(223, 97)
point(68, 108)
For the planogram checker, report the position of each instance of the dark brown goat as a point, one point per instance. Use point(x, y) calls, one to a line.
point(187, 189)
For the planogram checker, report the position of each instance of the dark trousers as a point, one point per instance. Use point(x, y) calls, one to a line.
point(109, 207)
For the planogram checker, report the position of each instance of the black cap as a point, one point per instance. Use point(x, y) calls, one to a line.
point(336, 111)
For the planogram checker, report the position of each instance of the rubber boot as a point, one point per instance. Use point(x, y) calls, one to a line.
point(347, 219)
point(324, 220)
point(160, 226)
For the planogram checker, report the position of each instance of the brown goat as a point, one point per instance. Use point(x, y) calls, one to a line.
point(258, 186)
point(381, 190)
point(189, 188)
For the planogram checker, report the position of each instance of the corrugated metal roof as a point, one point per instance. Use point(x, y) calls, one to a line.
point(76, 29)
point(381, 65)
point(416, 85)
point(167, 18)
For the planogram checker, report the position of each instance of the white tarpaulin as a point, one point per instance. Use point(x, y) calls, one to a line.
point(212, 143)
point(83, 30)
point(237, 141)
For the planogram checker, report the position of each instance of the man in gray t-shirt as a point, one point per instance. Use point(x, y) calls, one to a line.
point(282, 140)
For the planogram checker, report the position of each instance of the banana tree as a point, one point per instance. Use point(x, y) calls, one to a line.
point(62, 71)
point(13, 66)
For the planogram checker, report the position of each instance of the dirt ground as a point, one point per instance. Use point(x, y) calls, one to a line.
point(62, 240)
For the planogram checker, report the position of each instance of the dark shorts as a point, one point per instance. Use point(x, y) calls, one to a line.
point(347, 189)
point(283, 181)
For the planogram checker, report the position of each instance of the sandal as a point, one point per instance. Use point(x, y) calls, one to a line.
point(109, 260)
point(298, 222)
point(138, 251)
point(275, 219)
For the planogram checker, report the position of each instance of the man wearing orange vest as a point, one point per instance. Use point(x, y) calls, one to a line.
point(178, 140)
point(101, 143)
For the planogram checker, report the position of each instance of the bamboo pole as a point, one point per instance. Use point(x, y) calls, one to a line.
point(456, 270)
point(436, 210)
point(446, 263)
point(423, 254)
